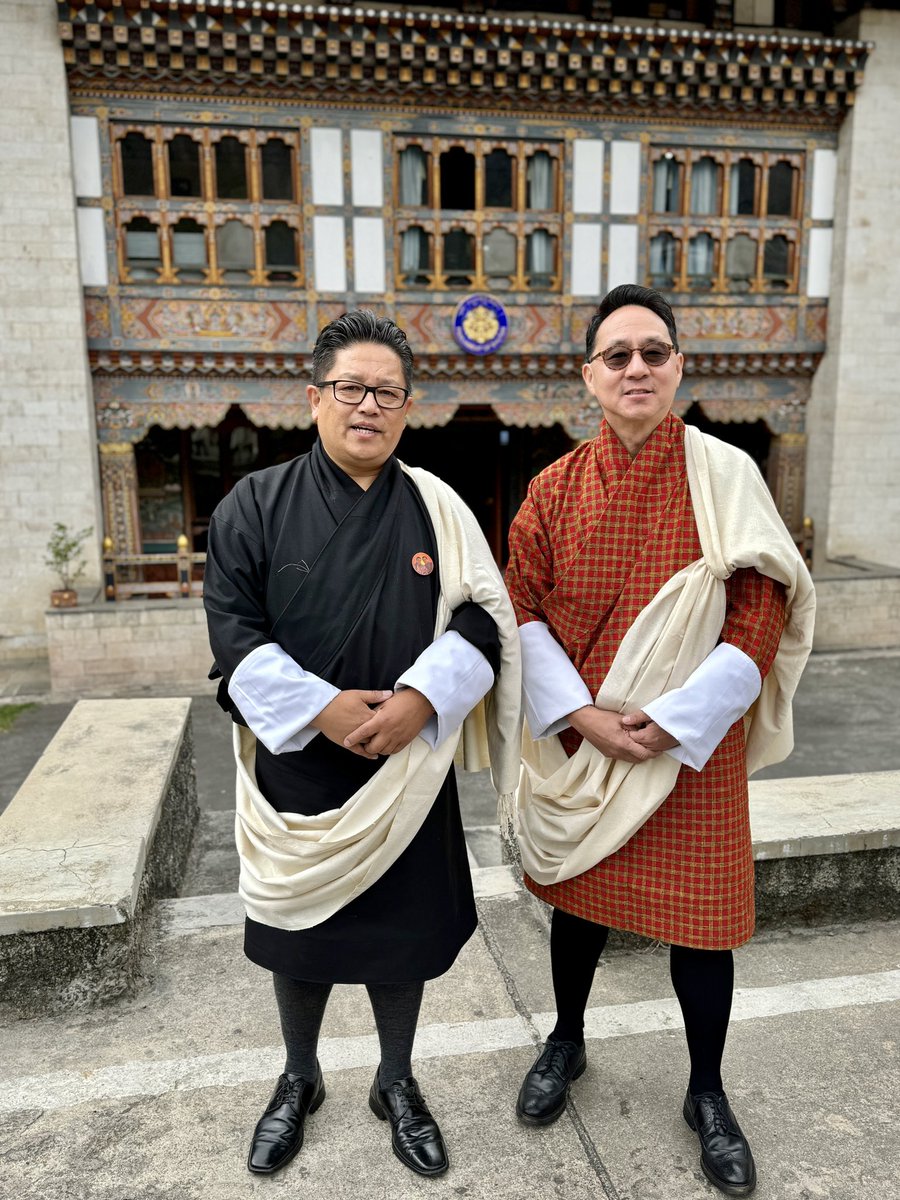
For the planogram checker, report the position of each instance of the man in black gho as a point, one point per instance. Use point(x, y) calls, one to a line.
point(357, 619)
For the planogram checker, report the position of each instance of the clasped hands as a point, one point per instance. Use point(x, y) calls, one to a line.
point(372, 723)
point(633, 738)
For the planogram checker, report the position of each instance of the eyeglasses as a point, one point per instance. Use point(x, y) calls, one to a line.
point(348, 391)
point(617, 358)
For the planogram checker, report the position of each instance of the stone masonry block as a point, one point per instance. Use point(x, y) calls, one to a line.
point(73, 931)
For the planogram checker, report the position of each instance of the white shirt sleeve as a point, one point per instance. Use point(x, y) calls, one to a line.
point(453, 676)
point(278, 699)
point(551, 686)
point(704, 708)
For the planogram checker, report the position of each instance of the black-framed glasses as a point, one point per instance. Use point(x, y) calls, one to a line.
point(617, 358)
point(349, 391)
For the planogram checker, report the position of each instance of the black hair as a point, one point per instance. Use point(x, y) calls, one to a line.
point(353, 328)
point(630, 293)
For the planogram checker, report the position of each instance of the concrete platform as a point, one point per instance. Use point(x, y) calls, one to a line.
point(827, 848)
point(825, 814)
point(100, 827)
point(155, 1098)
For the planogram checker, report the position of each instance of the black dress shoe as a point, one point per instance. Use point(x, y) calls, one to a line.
point(415, 1135)
point(279, 1131)
point(542, 1096)
point(725, 1154)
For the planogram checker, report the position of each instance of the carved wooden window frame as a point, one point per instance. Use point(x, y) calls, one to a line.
point(166, 210)
point(724, 226)
point(518, 220)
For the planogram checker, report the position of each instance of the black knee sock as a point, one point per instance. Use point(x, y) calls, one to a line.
point(575, 949)
point(704, 983)
point(301, 1006)
point(396, 1008)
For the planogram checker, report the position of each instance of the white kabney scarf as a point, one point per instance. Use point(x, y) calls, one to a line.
point(297, 871)
point(573, 812)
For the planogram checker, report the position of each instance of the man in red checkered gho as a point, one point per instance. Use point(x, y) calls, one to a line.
point(665, 617)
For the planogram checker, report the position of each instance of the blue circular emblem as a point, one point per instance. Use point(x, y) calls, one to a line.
point(480, 325)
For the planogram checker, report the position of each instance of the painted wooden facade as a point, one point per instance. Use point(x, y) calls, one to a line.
point(252, 170)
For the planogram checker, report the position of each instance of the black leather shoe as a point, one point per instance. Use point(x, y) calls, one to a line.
point(279, 1131)
point(542, 1096)
point(415, 1135)
point(725, 1154)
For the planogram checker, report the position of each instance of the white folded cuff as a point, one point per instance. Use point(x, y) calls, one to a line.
point(704, 708)
point(551, 686)
point(278, 699)
point(453, 676)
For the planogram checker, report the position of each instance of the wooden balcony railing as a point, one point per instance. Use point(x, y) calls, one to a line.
point(126, 576)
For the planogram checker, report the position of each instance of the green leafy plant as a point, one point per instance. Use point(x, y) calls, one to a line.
point(9, 712)
point(64, 554)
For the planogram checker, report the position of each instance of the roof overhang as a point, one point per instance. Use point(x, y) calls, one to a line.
point(245, 48)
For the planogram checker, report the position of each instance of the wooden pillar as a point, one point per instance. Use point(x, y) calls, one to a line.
point(119, 487)
point(787, 477)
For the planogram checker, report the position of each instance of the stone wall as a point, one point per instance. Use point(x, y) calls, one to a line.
point(48, 458)
point(854, 415)
point(123, 649)
point(857, 614)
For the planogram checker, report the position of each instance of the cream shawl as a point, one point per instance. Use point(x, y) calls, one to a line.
point(296, 871)
point(573, 812)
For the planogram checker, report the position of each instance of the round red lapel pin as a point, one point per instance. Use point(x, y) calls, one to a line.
point(422, 563)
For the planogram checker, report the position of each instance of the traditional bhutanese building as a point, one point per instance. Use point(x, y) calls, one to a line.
point(193, 188)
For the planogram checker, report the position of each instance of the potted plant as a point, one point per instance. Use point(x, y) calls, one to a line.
point(65, 558)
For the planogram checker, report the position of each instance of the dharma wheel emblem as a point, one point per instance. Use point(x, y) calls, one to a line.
point(480, 325)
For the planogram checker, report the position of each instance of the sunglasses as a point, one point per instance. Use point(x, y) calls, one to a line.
point(617, 358)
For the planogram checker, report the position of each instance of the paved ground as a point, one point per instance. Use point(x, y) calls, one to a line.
point(846, 716)
point(154, 1098)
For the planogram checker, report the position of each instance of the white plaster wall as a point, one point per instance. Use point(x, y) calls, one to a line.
point(586, 248)
point(587, 175)
point(367, 168)
point(92, 247)
point(330, 254)
point(625, 178)
point(368, 254)
point(824, 174)
point(86, 157)
point(818, 272)
point(853, 493)
point(623, 255)
point(48, 456)
point(327, 166)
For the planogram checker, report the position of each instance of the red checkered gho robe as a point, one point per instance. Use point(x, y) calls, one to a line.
point(597, 536)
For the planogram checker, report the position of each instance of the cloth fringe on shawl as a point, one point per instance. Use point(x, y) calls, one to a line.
point(296, 871)
point(573, 812)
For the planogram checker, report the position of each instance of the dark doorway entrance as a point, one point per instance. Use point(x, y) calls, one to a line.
point(487, 462)
point(753, 437)
point(183, 474)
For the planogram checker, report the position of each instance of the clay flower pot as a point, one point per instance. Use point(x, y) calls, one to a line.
point(63, 598)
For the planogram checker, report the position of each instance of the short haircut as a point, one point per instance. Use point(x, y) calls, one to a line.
point(354, 328)
point(620, 297)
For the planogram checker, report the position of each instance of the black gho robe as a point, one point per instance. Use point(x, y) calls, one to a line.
point(302, 557)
